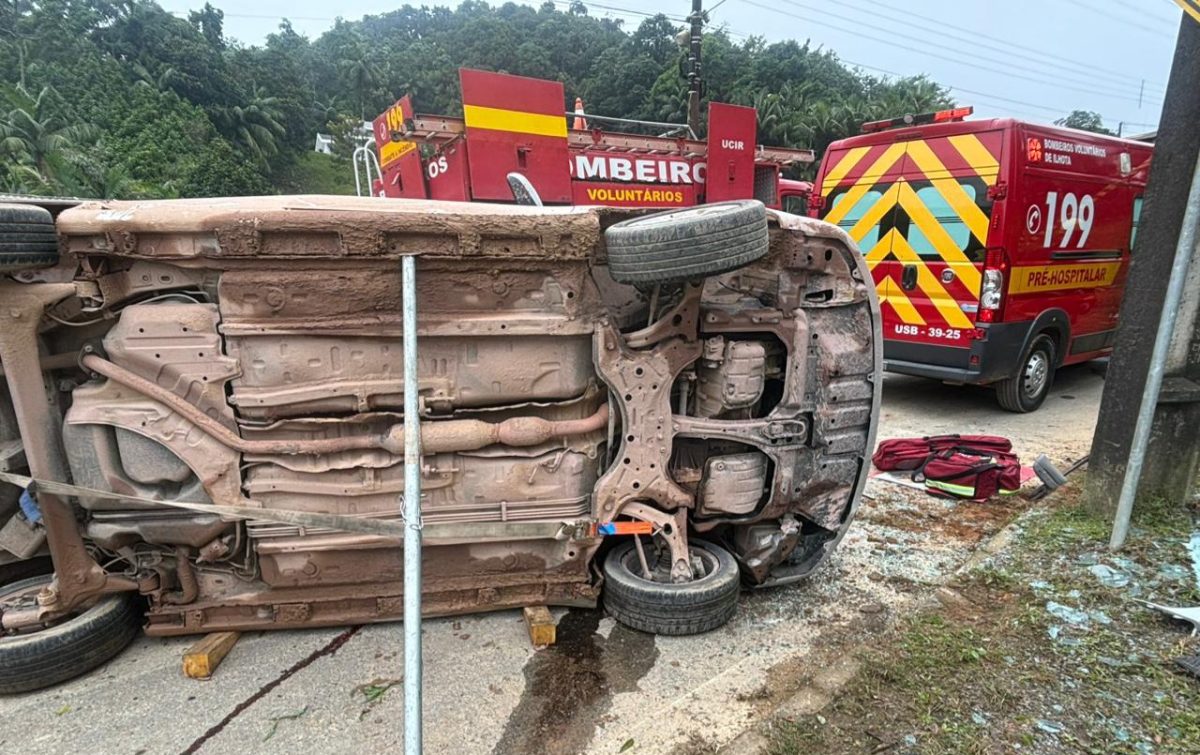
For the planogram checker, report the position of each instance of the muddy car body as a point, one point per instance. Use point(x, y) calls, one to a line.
point(244, 356)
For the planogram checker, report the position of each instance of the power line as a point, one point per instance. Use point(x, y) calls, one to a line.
point(893, 43)
point(1007, 45)
point(977, 96)
point(972, 54)
point(975, 93)
point(1127, 21)
point(628, 11)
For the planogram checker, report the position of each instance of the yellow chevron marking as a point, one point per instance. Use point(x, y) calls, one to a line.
point(977, 156)
point(498, 119)
point(942, 243)
point(877, 169)
point(950, 189)
point(844, 166)
point(894, 295)
point(1191, 7)
point(929, 284)
point(880, 250)
point(871, 218)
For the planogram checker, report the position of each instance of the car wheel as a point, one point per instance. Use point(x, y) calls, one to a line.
point(65, 649)
point(688, 244)
point(28, 240)
point(660, 606)
point(1026, 391)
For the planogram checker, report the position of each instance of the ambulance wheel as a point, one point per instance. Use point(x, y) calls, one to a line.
point(660, 606)
point(682, 245)
point(1026, 391)
point(28, 240)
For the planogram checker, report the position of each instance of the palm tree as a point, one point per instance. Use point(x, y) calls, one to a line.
point(254, 127)
point(144, 78)
point(33, 134)
point(360, 75)
point(21, 179)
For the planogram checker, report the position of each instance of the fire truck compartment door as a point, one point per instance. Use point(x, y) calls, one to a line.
point(400, 161)
point(515, 124)
point(732, 134)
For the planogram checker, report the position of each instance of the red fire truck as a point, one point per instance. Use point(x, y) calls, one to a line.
point(513, 124)
point(999, 248)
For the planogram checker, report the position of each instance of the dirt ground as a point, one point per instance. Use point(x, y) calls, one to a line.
point(603, 688)
point(1046, 648)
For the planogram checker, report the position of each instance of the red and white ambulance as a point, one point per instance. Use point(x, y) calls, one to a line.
point(999, 248)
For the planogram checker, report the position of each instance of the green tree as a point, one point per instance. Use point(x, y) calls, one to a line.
point(1085, 120)
point(254, 127)
point(34, 133)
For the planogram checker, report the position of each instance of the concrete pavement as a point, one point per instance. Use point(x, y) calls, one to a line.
point(602, 686)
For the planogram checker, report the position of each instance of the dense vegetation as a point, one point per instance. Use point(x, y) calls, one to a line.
point(118, 98)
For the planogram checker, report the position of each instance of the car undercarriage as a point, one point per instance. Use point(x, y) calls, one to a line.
point(216, 388)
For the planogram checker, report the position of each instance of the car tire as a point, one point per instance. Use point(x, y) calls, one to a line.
point(666, 607)
point(687, 244)
point(28, 240)
point(69, 648)
point(1027, 390)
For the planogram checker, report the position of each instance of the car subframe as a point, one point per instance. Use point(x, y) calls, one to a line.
point(245, 355)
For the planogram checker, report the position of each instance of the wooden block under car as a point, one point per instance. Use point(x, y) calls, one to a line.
point(202, 659)
point(541, 624)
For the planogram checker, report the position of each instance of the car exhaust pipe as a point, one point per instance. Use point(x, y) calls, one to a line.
point(436, 437)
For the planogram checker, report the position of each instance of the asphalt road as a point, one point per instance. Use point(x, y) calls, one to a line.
point(603, 686)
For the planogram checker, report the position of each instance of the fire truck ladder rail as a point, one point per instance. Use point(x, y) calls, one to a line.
point(440, 129)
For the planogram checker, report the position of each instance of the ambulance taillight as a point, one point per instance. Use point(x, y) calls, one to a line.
point(991, 293)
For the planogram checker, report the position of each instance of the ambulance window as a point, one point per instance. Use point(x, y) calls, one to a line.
point(867, 240)
point(1137, 220)
point(946, 217)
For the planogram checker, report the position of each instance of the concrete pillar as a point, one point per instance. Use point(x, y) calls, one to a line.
point(1173, 455)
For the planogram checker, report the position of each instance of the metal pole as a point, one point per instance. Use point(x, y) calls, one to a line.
point(1162, 342)
point(412, 513)
point(697, 26)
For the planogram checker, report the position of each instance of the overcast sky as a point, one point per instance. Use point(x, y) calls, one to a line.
point(1032, 59)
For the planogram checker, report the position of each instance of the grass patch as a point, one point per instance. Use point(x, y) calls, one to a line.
point(994, 668)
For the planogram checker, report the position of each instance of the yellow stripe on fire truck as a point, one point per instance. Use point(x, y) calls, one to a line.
point(499, 119)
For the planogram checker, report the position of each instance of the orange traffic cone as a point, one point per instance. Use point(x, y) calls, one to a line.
point(580, 123)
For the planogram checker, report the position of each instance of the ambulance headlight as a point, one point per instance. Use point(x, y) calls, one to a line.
point(993, 287)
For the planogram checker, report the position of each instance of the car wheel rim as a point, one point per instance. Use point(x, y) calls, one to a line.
point(1037, 369)
point(704, 564)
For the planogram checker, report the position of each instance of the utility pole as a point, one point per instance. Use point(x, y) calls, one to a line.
point(1146, 442)
point(693, 76)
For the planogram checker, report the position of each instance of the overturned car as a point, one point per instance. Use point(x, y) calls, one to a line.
point(204, 402)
